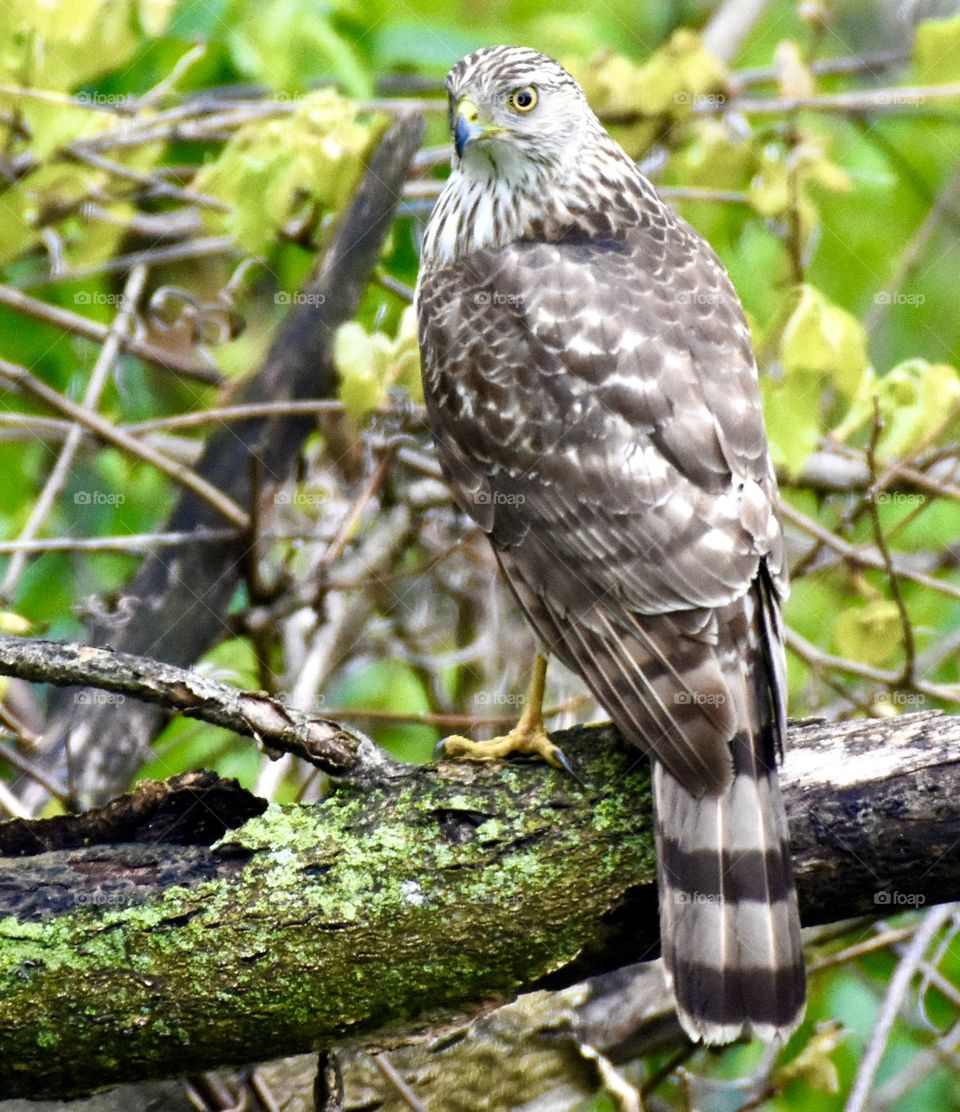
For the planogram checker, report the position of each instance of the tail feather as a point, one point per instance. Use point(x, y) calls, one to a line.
point(728, 907)
point(728, 914)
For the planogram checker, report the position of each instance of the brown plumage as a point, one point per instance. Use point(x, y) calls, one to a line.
point(593, 395)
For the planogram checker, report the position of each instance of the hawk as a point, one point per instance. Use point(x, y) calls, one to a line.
point(592, 392)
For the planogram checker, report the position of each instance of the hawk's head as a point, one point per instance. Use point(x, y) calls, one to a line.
point(513, 109)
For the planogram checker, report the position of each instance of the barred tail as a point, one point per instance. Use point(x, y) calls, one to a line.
point(728, 908)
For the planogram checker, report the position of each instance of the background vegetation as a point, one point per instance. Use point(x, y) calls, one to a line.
point(169, 173)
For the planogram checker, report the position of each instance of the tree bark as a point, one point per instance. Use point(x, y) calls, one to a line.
point(387, 912)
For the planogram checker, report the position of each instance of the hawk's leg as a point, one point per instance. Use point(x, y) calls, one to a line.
point(527, 738)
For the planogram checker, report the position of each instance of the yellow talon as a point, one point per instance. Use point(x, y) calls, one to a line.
point(516, 743)
point(527, 738)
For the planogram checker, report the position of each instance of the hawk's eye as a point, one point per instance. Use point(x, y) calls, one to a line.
point(523, 100)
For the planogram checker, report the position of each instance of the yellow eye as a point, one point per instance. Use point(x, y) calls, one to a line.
point(523, 100)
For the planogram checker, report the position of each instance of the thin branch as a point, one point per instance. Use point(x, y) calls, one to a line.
point(21, 379)
point(57, 479)
point(226, 413)
point(157, 186)
point(909, 644)
point(254, 714)
point(896, 990)
point(25, 768)
point(79, 325)
point(862, 557)
point(899, 98)
point(826, 67)
point(199, 248)
point(134, 543)
point(730, 25)
point(821, 661)
point(403, 1090)
point(860, 949)
point(371, 486)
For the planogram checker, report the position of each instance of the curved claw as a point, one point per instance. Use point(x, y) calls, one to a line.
point(465, 745)
point(560, 761)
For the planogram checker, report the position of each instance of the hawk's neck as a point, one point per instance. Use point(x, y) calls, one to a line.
point(479, 208)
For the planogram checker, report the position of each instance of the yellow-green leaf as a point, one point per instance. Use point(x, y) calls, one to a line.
point(870, 633)
point(15, 625)
point(269, 168)
point(823, 339)
point(936, 51)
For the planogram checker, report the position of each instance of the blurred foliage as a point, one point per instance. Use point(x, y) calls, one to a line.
point(839, 229)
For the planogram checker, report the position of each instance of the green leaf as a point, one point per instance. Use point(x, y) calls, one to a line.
point(289, 43)
point(823, 357)
point(370, 363)
point(269, 169)
point(869, 633)
point(822, 339)
point(13, 624)
point(936, 51)
point(917, 401)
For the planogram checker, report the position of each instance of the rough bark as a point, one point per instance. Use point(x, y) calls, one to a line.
point(388, 913)
point(181, 595)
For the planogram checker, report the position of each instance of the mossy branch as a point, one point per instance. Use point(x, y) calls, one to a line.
point(392, 909)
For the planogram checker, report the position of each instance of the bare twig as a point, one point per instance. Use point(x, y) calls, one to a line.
point(729, 25)
point(862, 557)
point(821, 662)
point(909, 645)
point(898, 99)
point(136, 543)
point(403, 1090)
point(56, 480)
point(371, 486)
point(20, 378)
point(896, 990)
point(12, 757)
point(92, 330)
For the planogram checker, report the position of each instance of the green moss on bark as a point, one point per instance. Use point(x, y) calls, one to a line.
point(372, 913)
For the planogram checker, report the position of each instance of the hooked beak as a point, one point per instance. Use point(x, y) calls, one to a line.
point(466, 126)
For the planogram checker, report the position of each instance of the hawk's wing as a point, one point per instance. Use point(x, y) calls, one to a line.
point(596, 411)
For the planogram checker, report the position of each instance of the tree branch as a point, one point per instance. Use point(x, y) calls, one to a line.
point(385, 913)
point(253, 714)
